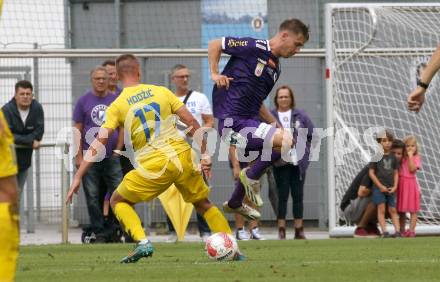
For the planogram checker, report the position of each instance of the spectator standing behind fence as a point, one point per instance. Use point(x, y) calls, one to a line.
point(113, 87)
point(290, 177)
point(88, 116)
point(199, 106)
point(25, 117)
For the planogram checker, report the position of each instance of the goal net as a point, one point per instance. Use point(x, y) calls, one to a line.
point(375, 53)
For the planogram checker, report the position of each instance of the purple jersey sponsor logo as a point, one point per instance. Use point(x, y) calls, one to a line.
point(237, 43)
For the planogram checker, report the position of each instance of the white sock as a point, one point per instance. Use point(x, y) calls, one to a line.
point(144, 241)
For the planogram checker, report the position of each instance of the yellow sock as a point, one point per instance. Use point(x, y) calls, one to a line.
point(9, 237)
point(129, 219)
point(216, 220)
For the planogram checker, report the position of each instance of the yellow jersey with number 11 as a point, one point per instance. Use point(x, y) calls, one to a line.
point(147, 114)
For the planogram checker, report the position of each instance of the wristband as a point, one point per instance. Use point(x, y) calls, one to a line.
point(423, 85)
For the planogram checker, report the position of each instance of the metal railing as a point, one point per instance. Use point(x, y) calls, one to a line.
point(28, 209)
point(150, 53)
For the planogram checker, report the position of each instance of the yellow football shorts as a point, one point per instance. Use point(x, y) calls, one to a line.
point(140, 185)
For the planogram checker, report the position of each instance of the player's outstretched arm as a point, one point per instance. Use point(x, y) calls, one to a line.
point(214, 54)
point(78, 144)
point(417, 97)
point(432, 67)
point(188, 119)
point(96, 149)
point(197, 133)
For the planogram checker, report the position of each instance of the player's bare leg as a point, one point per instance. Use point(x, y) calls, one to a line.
point(9, 231)
point(249, 183)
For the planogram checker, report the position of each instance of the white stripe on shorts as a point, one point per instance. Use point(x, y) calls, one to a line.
point(262, 130)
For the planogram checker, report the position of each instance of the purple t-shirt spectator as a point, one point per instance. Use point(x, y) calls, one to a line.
point(254, 70)
point(90, 111)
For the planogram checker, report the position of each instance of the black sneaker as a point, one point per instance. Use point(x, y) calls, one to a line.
point(372, 229)
point(386, 235)
point(88, 237)
point(397, 235)
point(101, 238)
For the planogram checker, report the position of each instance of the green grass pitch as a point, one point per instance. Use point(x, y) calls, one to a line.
point(313, 260)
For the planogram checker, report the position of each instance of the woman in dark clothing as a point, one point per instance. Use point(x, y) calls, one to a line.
point(290, 176)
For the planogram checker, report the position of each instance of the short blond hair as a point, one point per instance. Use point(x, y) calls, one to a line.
point(127, 64)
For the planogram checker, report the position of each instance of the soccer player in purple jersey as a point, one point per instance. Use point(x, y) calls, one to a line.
point(238, 96)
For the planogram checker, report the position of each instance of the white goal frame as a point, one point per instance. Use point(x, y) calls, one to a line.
point(333, 117)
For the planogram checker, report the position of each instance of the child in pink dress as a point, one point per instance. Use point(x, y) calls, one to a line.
point(408, 192)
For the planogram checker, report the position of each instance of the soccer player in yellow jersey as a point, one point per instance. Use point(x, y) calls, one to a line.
point(9, 232)
point(162, 156)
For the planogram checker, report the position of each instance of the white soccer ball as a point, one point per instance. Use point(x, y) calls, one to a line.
point(221, 247)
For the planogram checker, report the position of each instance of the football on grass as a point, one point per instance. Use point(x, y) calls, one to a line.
point(221, 247)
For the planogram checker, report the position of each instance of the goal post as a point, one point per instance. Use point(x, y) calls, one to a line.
point(374, 56)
